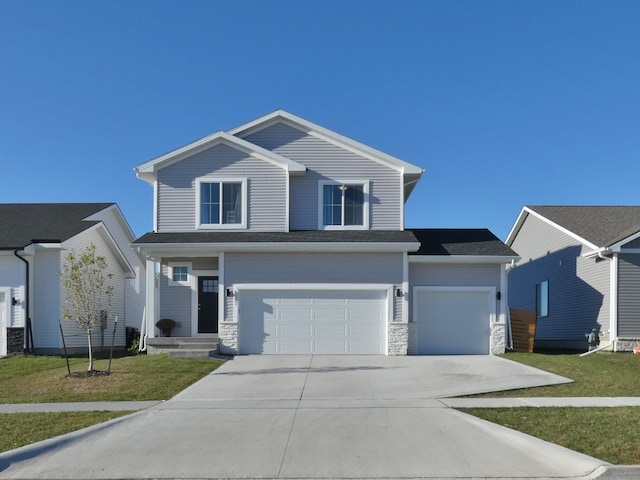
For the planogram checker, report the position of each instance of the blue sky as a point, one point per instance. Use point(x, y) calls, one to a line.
point(503, 103)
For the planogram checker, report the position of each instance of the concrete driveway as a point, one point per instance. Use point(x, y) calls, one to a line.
point(314, 417)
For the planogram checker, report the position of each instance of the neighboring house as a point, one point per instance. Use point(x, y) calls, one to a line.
point(280, 236)
point(34, 241)
point(580, 270)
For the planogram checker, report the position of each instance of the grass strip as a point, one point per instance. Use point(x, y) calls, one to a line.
point(19, 429)
point(610, 434)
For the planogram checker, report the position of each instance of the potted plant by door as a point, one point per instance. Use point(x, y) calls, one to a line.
point(166, 325)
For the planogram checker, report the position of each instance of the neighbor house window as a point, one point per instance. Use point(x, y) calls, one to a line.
point(179, 274)
point(542, 299)
point(343, 205)
point(221, 203)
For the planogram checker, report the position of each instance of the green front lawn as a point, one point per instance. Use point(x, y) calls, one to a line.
point(610, 434)
point(597, 375)
point(39, 379)
point(19, 429)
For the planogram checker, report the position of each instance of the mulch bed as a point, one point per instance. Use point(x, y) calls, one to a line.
point(88, 374)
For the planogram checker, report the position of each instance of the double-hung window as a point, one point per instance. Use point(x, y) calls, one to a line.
point(343, 205)
point(221, 203)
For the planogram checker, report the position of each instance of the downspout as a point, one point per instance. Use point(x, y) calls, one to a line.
point(27, 325)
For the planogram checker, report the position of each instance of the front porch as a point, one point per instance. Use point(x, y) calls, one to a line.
point(184, 347)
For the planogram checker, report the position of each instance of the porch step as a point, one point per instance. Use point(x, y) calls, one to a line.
point(184, 347)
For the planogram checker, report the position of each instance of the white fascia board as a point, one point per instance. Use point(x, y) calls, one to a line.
point(528, 211)
point(209, 249)
point(459, 259)
point(329, 136)
point(115, 209)
point(516, 226)
point(212, 140)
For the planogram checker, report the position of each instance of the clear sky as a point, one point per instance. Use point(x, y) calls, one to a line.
point(503, 103)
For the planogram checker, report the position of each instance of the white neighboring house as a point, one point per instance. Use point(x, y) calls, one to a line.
point(34, 241)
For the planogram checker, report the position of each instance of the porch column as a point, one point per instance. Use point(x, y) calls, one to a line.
point(151, 300)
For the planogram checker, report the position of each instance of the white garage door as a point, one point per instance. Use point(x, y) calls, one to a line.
point(454, 320)
point(312, 321)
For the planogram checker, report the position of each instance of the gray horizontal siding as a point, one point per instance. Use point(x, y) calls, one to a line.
point(578, 287)
point(266, 189)
point(326, 161)
point(629, 295)
point(175, 303)
point(304, 268)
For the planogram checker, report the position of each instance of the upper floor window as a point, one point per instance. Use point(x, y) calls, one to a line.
point(221, 203)
point(344, 205)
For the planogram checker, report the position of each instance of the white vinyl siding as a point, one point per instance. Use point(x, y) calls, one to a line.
point(75, 336)
point(12, 275)
point(326, 161)
point(266, 186)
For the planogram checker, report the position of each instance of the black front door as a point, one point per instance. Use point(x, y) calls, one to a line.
point(207, 304)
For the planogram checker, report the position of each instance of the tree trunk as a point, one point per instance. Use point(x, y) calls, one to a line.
point(90, 350)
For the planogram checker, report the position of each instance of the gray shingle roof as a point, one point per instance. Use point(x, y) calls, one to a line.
point(24, 223)
point(328, 236)
point(601, 225)
point(434, 241)
point(460, 241)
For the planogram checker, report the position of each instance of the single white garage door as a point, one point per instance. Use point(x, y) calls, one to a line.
point(454, 320)
point(312, 321)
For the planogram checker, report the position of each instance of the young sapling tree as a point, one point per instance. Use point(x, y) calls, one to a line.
point(86, 291)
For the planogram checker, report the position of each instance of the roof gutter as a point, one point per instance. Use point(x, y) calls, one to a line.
point(27, 302)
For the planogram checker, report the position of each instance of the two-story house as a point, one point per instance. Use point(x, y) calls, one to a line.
point(280, 236)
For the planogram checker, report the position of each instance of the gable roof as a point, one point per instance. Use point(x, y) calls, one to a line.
point(595, 226)
point(478, 242)
point(326, 134)
point(147, 170)
point(22, 224)
point(411, 172)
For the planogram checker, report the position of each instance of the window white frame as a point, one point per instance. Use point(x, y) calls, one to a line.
point(365, 206)
point(243, 207)
point(184, 283)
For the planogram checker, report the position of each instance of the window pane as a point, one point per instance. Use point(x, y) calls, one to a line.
point(354, 205)
point(180, 274)
point(331, 205)
point(542, 299)
point(232, 203)
point(209, 203)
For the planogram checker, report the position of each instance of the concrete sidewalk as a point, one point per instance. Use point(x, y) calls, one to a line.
point(484, 402)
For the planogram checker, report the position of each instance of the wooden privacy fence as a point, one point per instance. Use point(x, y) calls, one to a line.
point(523, 329)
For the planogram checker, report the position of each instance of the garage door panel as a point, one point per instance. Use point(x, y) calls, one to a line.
point(331, 330)
point(295, 330)
point(312, 321)
point(455, 321)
